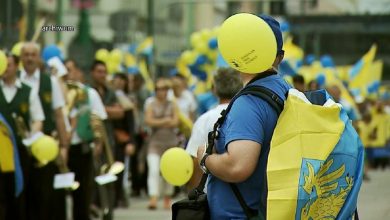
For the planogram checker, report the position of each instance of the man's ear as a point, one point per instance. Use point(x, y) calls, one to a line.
point(278, 60)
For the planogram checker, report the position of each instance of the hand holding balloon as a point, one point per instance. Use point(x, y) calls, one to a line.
point(176, 166)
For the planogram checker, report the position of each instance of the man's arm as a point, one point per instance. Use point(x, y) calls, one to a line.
point(58, 102)
point(235, 165)
point(36, 113)
point(151, 121)
point(61, 128)
point(115, 111)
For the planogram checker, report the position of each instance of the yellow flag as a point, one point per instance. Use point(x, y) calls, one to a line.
point(297, 137)
point(6, 150)
point(143, 69)
point(363, 75)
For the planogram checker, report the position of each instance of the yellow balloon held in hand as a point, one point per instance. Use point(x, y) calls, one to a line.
point(247, 43)
point(3, 62)
point(45, 149)
point(176, 166)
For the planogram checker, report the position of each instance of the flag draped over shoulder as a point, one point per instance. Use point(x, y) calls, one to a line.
point(9, 156)
point(315, 162)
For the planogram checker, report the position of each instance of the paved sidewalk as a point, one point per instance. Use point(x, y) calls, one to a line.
point(374, 202)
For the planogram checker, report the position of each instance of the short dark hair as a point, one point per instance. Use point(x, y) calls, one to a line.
point(298, 79)
point(227, 82)
point(97, 63)
point(123, 76)
point(180, 76)
point(75, 63)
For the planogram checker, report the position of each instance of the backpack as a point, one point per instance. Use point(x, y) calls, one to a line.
point(315, 162)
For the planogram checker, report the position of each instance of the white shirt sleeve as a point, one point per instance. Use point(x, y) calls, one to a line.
point(193, 104)
point(58, 99)
point(198, 136)
point(97, 106)
point(36, 111)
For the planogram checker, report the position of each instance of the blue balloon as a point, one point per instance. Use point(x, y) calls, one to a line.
point(202, 75)
point(310, 58)
point(50, 52)
point(202, 59)
point(286, 69)
point(133, 48)
point(321, 79)
point(299, 64)
point(213, 43)
point(284, 26)
point(132, 70)
point(327, 61)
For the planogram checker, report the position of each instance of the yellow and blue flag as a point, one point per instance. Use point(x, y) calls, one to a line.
point(9, 156)
point(315, 163)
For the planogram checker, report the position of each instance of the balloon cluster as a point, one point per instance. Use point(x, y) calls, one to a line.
point(112, 59)
point(118, 60)
point(200, 60)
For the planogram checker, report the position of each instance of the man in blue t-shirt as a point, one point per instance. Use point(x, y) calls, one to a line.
point(243, 143)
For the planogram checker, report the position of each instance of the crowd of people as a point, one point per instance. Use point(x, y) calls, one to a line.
point(139, 126)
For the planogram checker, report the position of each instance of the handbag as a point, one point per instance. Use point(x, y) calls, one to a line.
point(195, 207)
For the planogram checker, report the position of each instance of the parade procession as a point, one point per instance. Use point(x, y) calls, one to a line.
point(219, 109)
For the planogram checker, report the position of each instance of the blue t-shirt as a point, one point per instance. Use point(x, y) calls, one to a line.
point(250, 118)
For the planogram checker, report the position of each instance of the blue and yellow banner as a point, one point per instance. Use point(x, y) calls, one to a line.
point(9, 156)
point(315, 161)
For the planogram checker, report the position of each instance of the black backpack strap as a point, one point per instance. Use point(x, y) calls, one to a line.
point(277, 104)
point(249, 212)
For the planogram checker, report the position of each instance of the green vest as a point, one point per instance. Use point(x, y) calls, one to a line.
point(83, 127)
point(45, 95)
point(19, 104)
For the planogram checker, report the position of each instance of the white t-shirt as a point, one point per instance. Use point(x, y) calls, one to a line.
point(203, 125)
point(96, 106)
point(186, 102)
point(35, 106)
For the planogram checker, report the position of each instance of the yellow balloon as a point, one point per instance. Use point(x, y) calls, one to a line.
point(130, 60)
point(102, 55)
point(195, 38)
point(112, 67)
point(176, 166)
point(202, 47)
point(45, 149)
point(212, 55)
point(116, 56)
point(247, 43)
point(188, 57)
point(17, 49)
point(3, 62)
point(206, 35)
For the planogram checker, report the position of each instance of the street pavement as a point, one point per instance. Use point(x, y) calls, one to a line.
point(374, 202)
